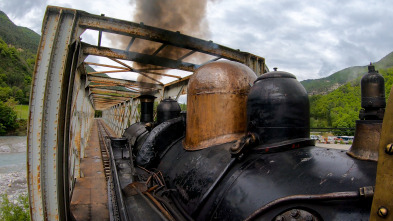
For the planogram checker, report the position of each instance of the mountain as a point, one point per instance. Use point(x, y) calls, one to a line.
point(18, 48)
point(334, 81)
point(17, 36)
point(339, 108)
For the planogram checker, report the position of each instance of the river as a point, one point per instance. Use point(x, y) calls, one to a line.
point(13, 166)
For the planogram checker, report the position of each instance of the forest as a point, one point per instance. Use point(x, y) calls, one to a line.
point(18, 48)
point(340, 108)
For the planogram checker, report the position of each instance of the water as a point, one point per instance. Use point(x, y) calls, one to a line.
point(12, 154)
point(10, 159)
point(13, 165)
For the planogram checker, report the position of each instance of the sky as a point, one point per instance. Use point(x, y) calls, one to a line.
point(311, 39)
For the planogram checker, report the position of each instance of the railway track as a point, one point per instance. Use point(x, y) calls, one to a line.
point(102, 134)
point(116, 206)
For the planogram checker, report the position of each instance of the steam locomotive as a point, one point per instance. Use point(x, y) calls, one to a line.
point(241, 152)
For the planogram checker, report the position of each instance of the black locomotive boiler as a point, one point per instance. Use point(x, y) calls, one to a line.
point(241, 152)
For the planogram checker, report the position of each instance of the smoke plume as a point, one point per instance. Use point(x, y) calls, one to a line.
point(186, 16)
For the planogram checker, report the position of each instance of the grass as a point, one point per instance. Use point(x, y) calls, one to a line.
point(14, 211)
point(23, 111)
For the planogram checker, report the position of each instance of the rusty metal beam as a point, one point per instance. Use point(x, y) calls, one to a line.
point(186, 55)
point(111, 96)
point(111, 71)
point(107, 101)
point(113, 92)
point(123, 69)
point(102, 85)
point(138, 57)
point(98, 79)
point(126, 65)
point(175, 88)
point(178, 81)
point(161, 74)
point(105, 65)
point(95, 22)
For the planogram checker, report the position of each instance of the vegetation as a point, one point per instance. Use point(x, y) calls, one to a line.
point(22, 111)
point(183, 107)
point(19, 37)
point(340, 108)
point(18, 48)
point(10, 211)
point(15, 74)
point(98, 113)
point(332, 82)
point(8, 118)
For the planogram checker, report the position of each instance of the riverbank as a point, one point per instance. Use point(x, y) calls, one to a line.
point(13, 180)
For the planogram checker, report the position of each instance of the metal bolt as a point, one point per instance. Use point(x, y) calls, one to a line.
point(279, 218)
point(309, 218)
point(389, 149)
point(294, 213)
point(382, 212)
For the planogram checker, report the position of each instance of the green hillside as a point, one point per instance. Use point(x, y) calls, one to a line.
point(15, 74)
point(340, 108)
point(18, 48)
point(327, 84)
point(17, 36)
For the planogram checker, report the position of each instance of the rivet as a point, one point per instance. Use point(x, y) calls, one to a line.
point(382, 212)
point(389, 149)
point(279, 218)
point(309, 218)
point(294, 213)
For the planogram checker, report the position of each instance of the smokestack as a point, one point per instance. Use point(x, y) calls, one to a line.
point(147, 103)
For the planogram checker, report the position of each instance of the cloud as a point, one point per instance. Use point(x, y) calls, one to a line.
point(310, 39)
point(20, 7)
point(25, 13)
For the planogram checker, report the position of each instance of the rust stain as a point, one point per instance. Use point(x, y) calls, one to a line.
point(217, 98)
point(38, 179)
point(78, 142)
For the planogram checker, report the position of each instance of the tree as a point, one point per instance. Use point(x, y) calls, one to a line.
point(8, 119)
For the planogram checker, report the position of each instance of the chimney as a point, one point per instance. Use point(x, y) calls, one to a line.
point(147, 103)
point(369, 127)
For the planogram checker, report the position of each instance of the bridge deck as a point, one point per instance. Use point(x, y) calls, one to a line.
point(90, 196)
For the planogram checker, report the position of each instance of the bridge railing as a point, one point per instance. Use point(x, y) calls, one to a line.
point(64, 95)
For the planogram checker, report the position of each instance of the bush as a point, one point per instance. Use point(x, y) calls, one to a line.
point(14, 211)
point(8, 119)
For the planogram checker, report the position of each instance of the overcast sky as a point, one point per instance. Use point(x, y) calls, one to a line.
point(310, 39)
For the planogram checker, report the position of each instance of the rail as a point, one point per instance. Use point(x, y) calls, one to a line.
point(118, 212)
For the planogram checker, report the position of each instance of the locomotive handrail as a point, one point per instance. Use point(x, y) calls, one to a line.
point(364, 192)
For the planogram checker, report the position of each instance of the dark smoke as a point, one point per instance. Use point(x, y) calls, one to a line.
point(186, 16)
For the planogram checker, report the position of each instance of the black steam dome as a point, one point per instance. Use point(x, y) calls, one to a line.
point(167, 109)
point(278, 108)
point(373, 94)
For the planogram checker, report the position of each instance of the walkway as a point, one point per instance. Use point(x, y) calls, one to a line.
point(90, 196)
